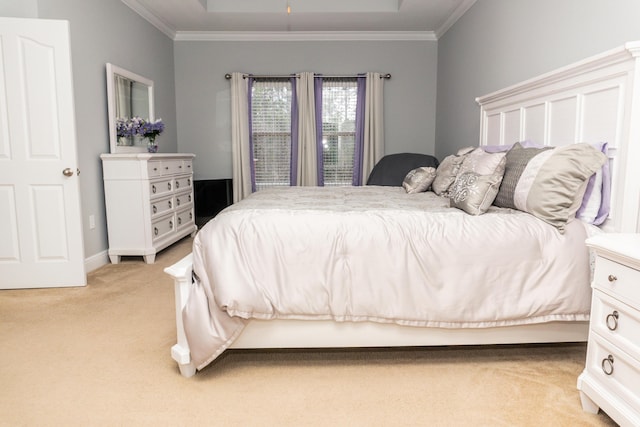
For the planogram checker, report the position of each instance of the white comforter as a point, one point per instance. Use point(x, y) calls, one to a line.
point(379, 254)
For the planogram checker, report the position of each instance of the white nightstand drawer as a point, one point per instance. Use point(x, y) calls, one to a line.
point(617, 279)
point(615, 321)
point(160, 206)
point(614, 369)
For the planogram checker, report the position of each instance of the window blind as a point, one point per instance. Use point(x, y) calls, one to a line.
point(339, 101)
point(271, 132)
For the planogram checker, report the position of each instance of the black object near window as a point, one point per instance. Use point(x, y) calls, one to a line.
point(211, 196)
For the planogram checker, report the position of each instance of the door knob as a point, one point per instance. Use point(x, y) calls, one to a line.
point(69, 172)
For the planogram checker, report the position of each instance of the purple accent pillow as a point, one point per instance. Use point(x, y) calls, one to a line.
point(501, 148)
point(598, 194)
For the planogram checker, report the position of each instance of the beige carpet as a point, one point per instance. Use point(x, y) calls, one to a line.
point(99, 356)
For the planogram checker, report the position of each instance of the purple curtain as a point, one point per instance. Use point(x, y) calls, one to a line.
point(359, 142)
point(317, 93)
point(252, 159)
point(293, 164)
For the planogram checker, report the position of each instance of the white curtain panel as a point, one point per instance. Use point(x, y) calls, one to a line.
point(240, 149)
point(307, 158)
point(373, 148)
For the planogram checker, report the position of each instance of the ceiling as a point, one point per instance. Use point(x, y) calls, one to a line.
point(308, 19)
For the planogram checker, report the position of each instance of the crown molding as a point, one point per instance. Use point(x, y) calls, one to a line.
point(457, 14)
point(304, 35)
point(151, 18)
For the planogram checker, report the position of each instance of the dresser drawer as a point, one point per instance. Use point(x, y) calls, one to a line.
point(154, 168)
point(161, 206)
point(187, 166)
point(616, 322)
point(172, 167)
point(162, 227)
point(618, 280)
point(183, 199)
point(159, 187)
point(184, 218)
point(614, 369)
point(183, 182)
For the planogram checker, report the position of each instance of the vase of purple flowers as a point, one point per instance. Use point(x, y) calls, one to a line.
point(129, 128)
point(151, 130)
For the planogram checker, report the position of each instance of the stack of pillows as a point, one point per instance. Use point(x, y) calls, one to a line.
point(554, 184)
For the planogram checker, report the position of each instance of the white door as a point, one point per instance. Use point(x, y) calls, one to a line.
point(40, 222)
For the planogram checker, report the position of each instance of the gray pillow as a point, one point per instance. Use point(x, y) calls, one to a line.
point(446, 174)
point(549, 182)
point(474, 193)
point(418, 180)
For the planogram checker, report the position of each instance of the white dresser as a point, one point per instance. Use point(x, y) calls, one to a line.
point(611, 378)
point(149, 201)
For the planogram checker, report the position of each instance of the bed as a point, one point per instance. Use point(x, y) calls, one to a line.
point(348, 267)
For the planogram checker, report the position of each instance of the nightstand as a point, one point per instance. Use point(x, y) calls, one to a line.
point(611, 378)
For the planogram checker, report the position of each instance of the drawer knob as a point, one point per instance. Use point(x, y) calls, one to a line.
point(612, 321)
point(179, 220)
point(170, 206)
point(153, 189)
point(607, 365)
point(612, 278)
point(155, 209)
point(155, 231)
point(169, 186)
point(177, 184)
point(171, 224)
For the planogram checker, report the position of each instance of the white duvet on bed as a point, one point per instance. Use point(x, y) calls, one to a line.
point(379, 254)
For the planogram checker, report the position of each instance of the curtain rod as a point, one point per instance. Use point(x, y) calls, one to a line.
point(228, 76)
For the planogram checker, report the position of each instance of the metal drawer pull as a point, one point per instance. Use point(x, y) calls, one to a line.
point(155, 231)
point(607, 365)
point(170, 204)
point(171, 224)
point(153, 189)
point(612, 320)
point(178, 202)
point(169, 185)
point(179, 220)
point(188, 181)
point(177, 184)
point(612, 278)
point(155, 209)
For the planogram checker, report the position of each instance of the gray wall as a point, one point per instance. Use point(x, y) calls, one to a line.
point(501, 42)
point(202, 93)
point(108, 31)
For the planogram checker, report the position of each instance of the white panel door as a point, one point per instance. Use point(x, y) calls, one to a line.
point(40, 222)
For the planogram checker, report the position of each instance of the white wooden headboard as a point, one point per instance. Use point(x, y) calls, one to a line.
point(593, 100)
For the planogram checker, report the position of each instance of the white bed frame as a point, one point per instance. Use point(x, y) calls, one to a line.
point(594, 100)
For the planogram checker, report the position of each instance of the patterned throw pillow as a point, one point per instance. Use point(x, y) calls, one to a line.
point(548, 182)
point(474, 191)
point(419, 180)
point(446, 174)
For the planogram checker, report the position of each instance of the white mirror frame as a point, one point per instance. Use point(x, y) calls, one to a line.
point(112, 71)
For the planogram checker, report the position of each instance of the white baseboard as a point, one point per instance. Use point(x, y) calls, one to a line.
point(96, 261)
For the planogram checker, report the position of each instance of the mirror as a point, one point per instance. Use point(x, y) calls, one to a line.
point(128, 95)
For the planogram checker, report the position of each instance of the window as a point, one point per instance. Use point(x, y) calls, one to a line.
point(271, 132)
point(339, 100)
point(271, 137)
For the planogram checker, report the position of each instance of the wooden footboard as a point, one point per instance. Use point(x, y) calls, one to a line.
point(181, 273)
